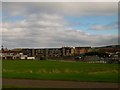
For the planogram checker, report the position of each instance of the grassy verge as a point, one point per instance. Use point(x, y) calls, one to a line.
point(57, 70)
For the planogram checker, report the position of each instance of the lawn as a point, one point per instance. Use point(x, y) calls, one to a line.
point(58, 70)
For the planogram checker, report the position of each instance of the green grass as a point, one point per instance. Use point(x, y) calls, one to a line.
point(57, 70)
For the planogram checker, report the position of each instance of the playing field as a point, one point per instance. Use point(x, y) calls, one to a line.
point(59, 70)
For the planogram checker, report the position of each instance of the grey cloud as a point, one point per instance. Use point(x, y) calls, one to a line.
point(110, 26)
point(41, 29)
point(66, 8)
point(52, 37)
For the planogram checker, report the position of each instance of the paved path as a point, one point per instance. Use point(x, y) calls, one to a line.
point(56, 84)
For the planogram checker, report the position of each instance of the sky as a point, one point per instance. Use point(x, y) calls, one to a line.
point(57, 24)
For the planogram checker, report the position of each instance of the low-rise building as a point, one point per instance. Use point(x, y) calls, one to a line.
point(82, 50)
point(52, 53)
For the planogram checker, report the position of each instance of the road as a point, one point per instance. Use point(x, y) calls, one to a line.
point(56, 84)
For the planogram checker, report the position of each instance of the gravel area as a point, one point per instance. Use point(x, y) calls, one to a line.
point(56, 84)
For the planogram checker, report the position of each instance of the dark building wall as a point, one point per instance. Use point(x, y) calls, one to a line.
point(28, 52)
point(54, 52)
point(49, 53)
point(67, 51)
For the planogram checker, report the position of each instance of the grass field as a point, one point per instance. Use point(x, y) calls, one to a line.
point(58, 70)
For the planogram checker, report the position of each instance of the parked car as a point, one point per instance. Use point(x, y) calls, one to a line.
point(79, 58)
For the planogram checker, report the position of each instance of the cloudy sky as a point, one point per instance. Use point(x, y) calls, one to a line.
point(55, 24)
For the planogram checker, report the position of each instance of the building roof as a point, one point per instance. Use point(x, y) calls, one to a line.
point(9, 51)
